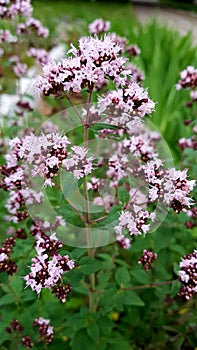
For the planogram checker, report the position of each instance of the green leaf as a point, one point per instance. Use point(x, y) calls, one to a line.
point(174, 288)
point(122, 276)
point(82, 340)
point(102, 344)
point(176, 268)
point(17, 284)
point(177, 248)
point(118, 342)
point(106, 301)
point(103, 279)
point(140, 275)
point(123, 195)
point(6, 299)
point(3, 334)
point(74, 277)
point(131, 298)
point(81, 289)
point(112, 218)
point(93, 331)
point(28, 295)
point(89, 265)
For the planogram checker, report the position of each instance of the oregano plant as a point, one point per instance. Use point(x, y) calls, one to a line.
point(85, 195)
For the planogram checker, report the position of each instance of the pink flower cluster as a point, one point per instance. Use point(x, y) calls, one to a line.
point(125, 103)
point(7, 265)
point(40, 55)
point(18, 199)
point(48, 267)
point(14, 180)
point(188, 275)
point(188, 143)
point(136, 74)
point(189, 81)
point(5, 36)
point(45, 330)
point(188, 78)
point(12, 9)
point(86, 67)
point(78, 163)
point(45, 153)
point(32, 25)
point(147, 259)
point(40, 226)
point(17, 16)
point(99, 26)
point(134, 224)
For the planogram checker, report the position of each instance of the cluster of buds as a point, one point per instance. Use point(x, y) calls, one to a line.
point(17, 328)
point(139, 147)
point(45, 329)
point(27, 342)
point(22, 107)
point(48, 267)
point(7, 265)
point(147, 259)
point(188, 275)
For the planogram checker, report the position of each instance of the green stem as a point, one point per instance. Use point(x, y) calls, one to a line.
point(76, 210)
point(74, 108)
point(88, 224)
point(150, 285)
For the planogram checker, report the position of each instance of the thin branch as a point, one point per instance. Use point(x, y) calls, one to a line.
point(97, 220)
point(76, 210)
point(74, 108)
point(150, 285)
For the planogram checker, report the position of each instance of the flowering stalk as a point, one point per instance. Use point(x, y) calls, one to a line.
point(88, 224)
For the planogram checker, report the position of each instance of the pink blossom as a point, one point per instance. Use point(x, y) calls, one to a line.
point(99, 26)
